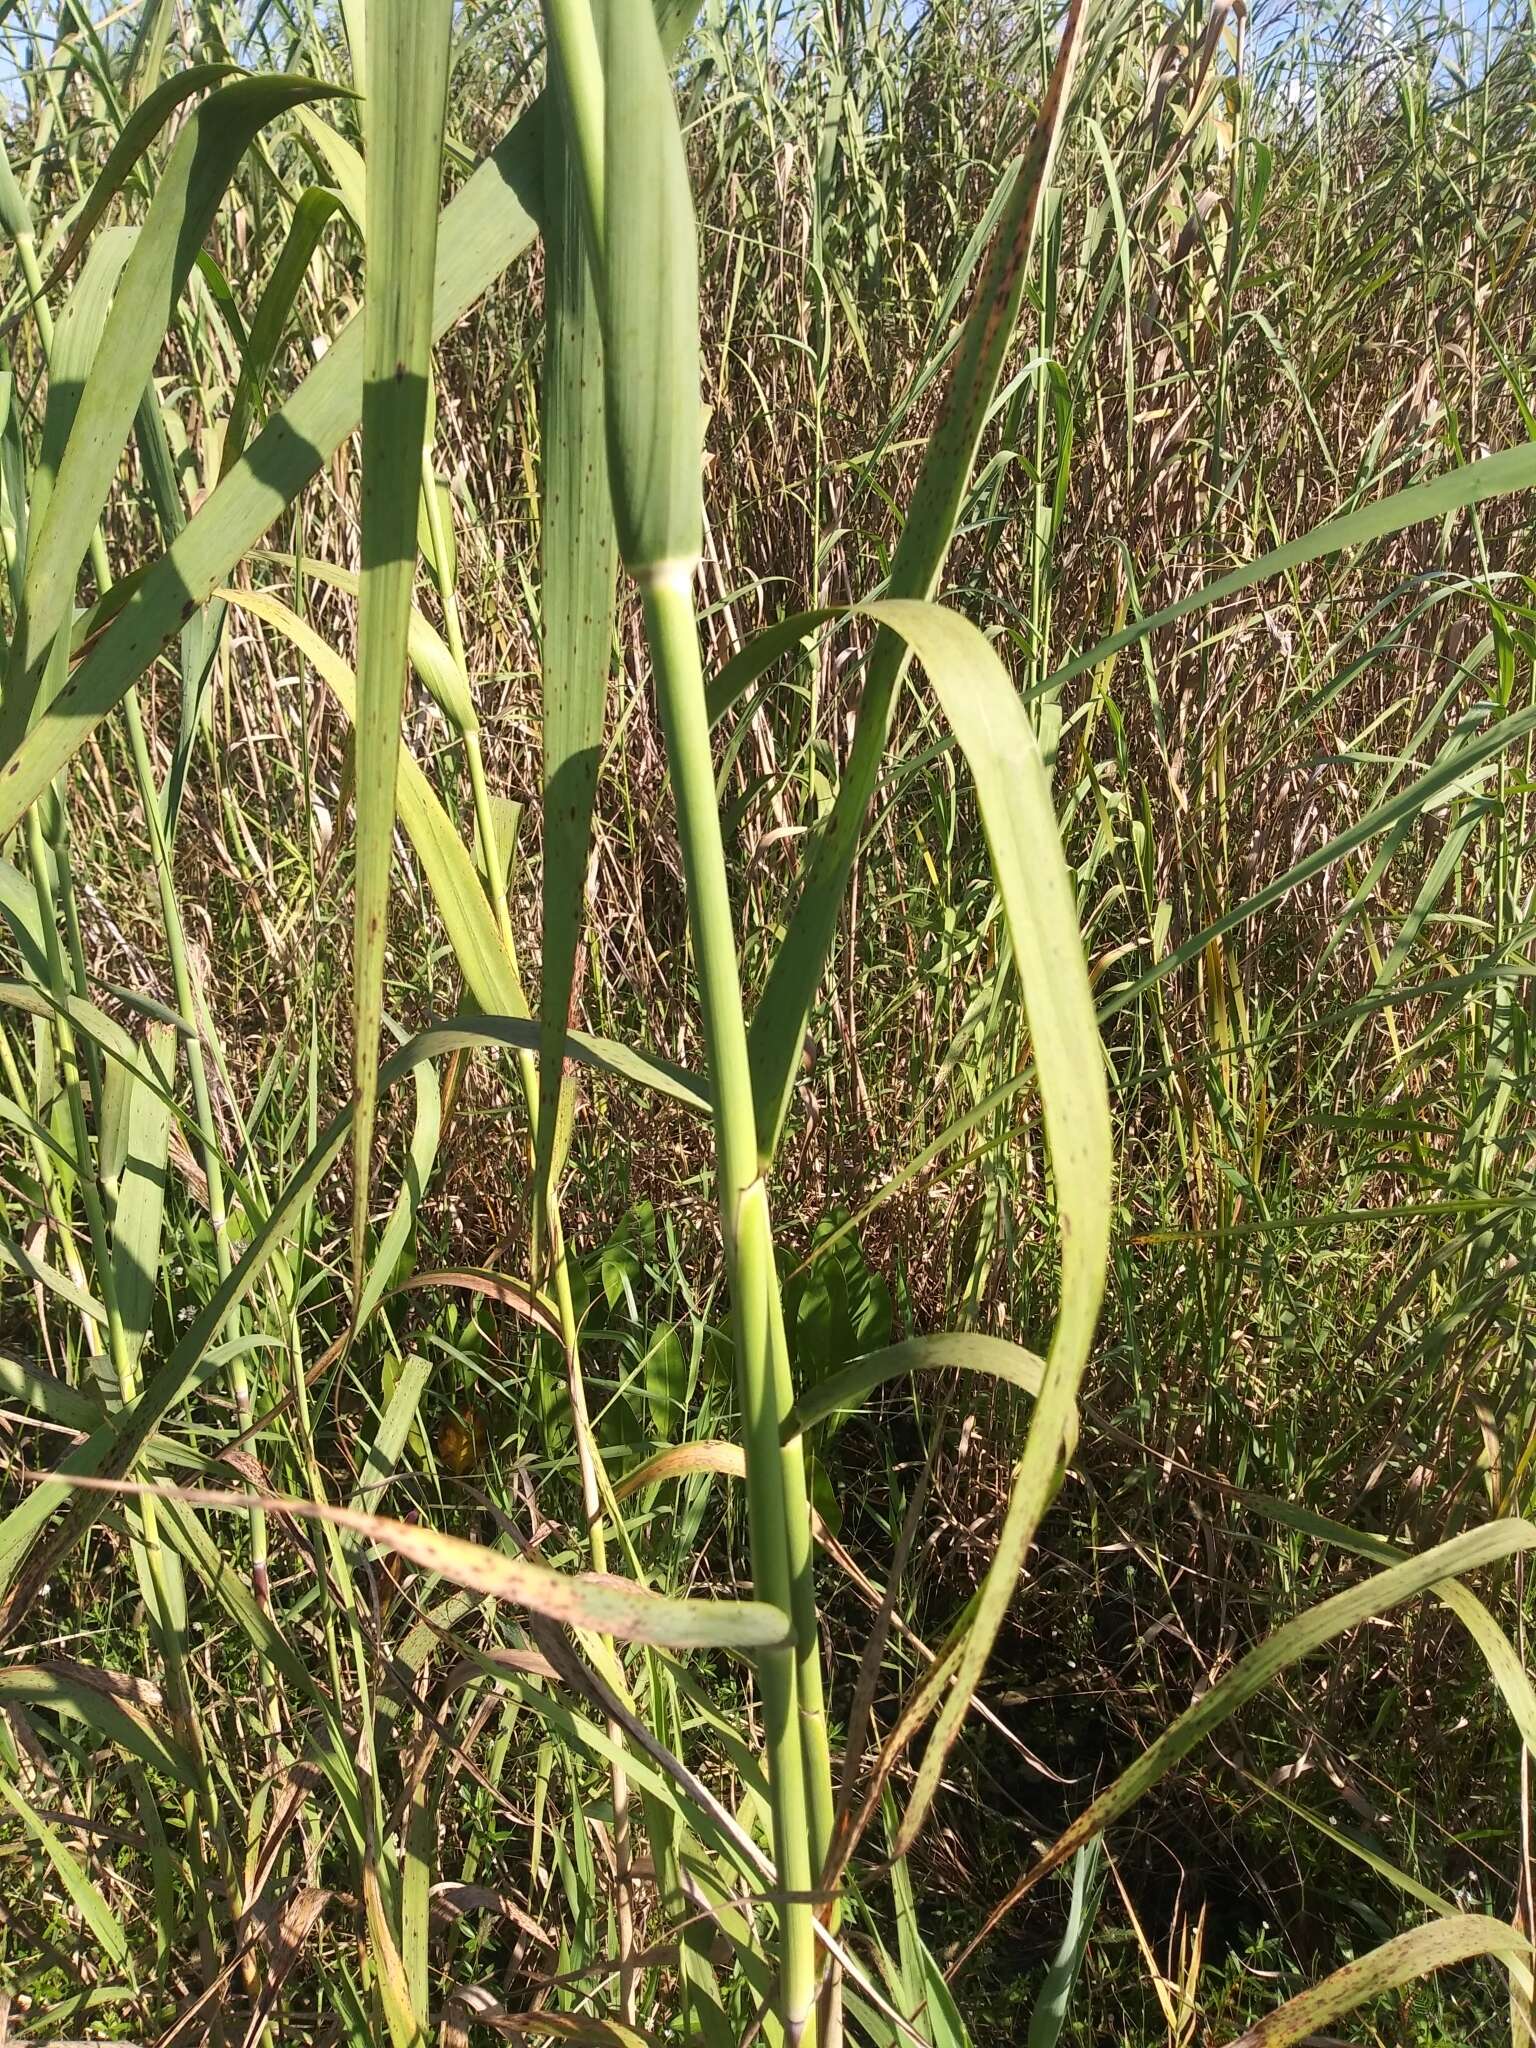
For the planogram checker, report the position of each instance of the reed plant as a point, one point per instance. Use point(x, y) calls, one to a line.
point(441, 1687)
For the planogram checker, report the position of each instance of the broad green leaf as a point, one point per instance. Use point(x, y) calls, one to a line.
point(435, 534)
point(389, 1976)
point(18, 906)
point(1403, 1959)
point(71, 356)
point(579, 555)
point(419, 1847)
point(640, 208)
point(210, 145)
point(341, 159)
point(407, 72)
point(55, 1398)
point(487, 226)
point(41, 1274)
point(451, 877)
point(778, 1027)
point(14, 520)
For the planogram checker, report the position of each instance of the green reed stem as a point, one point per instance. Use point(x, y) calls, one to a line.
point(778, 1511)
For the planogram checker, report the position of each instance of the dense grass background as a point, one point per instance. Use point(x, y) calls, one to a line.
point(1275, 278)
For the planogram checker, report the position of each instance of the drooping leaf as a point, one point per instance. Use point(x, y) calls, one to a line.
point(969, 1351)
point(133, 141)
point(591, 1601)
point(778, 1027)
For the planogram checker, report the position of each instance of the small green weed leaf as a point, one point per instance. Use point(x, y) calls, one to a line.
point(76, 339)
point(666, 1382)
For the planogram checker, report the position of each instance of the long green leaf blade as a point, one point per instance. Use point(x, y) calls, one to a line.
point(408, 42)
point(778, 1027)
point(580, 557)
